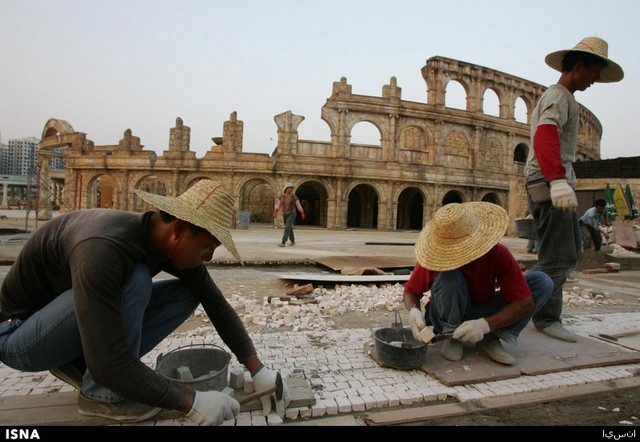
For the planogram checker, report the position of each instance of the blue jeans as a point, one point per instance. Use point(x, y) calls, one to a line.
point(288, 227)
point(451, 304)
point(559, 251)
point(50, 337)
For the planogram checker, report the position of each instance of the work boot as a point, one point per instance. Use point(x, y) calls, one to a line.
point(451, 349)
point(71, 373)
point(281, 244)
point(293, 243)
point(557, 330)
point(491, 347)
point(125, 411)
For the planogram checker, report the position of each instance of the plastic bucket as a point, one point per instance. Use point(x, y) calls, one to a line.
point(409, 356)
point(208, 365)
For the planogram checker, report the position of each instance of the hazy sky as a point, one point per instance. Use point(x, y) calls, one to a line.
point(108, 65)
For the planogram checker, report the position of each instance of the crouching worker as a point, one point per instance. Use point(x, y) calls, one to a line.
point(81, 303)
point(462, 262)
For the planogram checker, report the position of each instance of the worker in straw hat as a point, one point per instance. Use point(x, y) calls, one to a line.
point(461, 261)
point(550, 176)
point(82, 304)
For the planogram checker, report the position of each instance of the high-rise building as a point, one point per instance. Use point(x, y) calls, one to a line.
point(20, 157)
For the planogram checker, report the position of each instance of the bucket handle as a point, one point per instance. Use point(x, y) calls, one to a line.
point(161, 355)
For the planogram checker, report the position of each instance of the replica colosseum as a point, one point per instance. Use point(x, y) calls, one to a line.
point(429, 155)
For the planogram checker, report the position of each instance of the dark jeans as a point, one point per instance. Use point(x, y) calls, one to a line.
point(50, 337)
point(451, 305)
point(288, 227)
point(560, 249)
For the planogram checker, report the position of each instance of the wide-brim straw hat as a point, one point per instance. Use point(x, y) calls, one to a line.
point(206, 204)
point(611, 73)
point(459, 234)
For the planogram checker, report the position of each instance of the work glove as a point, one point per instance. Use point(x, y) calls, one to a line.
point(416, 319)
point(472, 331)
point(302, 214)
point(212, 408)
point(265, 378)
point(562, 196)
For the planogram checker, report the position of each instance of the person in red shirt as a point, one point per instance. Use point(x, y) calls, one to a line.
point(479, 295)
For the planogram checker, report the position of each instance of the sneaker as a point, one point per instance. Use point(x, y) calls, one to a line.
point(125, 411)
point(451, 349)
point(491, 347)
point(557, 330)
point(69, 374)
point(293, 243)
point(281, 244)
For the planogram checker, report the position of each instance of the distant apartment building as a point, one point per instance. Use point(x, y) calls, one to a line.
point(19, 157)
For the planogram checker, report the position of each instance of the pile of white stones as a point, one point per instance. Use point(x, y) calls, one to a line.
point(585, 297)
point(342, 300)
point(618, 250)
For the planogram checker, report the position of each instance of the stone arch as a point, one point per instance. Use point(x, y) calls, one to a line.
point(314, 199)
point(453, 196)
point(521, 110)
point(149, 183)
point(102, 192)
point(410, 211)
point(54, 127)
point(362, 207)
point(455, 92)
point(520, 153)
point(489, 94)
point(414, 145)
point(362, 126)
point(491, 197)
point(257, 196)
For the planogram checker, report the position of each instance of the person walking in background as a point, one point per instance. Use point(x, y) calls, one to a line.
point(592, 219)
point(550, 176)
point(288, 202)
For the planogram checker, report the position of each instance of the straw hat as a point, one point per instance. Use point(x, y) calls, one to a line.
point(611, 73)
point(460, 233)
point(206, 204)
point(287, 185)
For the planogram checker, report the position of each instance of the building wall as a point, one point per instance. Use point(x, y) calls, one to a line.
point(429, 155)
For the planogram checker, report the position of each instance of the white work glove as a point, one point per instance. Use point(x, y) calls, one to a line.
point(212, 408)
point(562, 196)
point(416, 319)
point(472, 331)
point(265, 378)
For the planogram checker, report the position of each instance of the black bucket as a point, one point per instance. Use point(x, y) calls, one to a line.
point(411, 353)
point(207, 364)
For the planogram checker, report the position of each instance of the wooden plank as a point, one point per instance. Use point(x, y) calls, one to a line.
point(62, 409)
point(381, 262)
point(360, 279)
point(421, 414)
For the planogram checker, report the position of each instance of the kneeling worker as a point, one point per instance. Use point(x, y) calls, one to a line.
point(479, 294)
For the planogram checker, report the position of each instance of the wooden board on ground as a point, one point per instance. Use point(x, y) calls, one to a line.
point(430, 412)
point(389, 243)
point(630, 342)
point(62, 409)
point(381, 262)
point(535, 354)
point(341, 279)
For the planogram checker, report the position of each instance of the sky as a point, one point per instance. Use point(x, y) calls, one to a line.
point(110, 65)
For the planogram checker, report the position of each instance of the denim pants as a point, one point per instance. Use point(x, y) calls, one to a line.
point(50, 337)
point(559, 251)
point(451, 305)
point(288, 228)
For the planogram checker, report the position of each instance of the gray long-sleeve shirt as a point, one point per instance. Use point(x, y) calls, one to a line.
point(94, 252)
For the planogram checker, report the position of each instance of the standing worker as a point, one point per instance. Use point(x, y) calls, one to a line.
point(288, 202)
point(550, 176)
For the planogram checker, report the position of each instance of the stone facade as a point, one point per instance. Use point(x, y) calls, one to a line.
point(428, 155)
